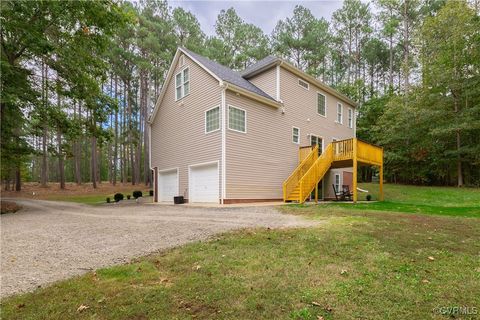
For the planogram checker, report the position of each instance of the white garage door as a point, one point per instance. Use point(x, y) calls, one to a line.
point(203, 184)
point(167, 185)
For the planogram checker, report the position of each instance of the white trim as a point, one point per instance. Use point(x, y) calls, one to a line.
point(182, 86)
point(278, 82)
point(350, 117)
point(354, 123)
point(308, 84)
point(158, 179)
point(230, 106)
point(223, 190)
point(298, 135)
point(168, 78)
point(219, 123)
point(190, 166)
point(341, 113)
point(325, 96)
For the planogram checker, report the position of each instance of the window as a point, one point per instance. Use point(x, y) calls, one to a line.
point(337, 182)
point(339, 113)
point(182, 60)
point(182, 84)
point(321, 104)
point(296, 135)
point(237, 119)
point(303, 84)
point(212, 120)
point(350, 118)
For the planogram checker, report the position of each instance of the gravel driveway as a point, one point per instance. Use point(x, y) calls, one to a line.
point(49, 241)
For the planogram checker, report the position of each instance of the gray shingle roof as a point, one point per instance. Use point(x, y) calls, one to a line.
point(227, 74)
point(259, 65)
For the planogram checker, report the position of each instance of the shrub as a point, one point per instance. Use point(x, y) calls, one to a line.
point(108, 199)
point(150, 193)
point(369, 197)
point(118, 197)
point(128, 197)
point(137, 194)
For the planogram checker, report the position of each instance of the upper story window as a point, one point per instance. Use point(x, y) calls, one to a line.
point(303, 84)
point(321, 104)
point(237, 119)
point(296, 135)
point(182, 60)
point(339, 113)
point(350, 117)
point(212, 120)
point(182, 84)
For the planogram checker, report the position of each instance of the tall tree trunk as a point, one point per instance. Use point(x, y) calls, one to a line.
point(77, 151)
point(406, 40)
point(94, 161)
point(61, 166)
point(44, 174)
point(18, 177)
point(115, 151)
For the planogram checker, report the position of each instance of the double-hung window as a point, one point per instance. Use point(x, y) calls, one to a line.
point(339, 113)
point(237, 119)
point(321, 104)
point(296, 135)
point(350, 117)
point(182, 84)
point(212, 120)
point(337, 182)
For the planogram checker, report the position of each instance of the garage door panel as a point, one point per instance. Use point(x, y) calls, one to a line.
point(167, 185)
point(204, 183)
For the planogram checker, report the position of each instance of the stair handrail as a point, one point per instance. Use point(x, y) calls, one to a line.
point(292, 181)
point(312, 176)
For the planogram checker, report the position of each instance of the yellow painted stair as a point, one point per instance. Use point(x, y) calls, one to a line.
point(312, 168)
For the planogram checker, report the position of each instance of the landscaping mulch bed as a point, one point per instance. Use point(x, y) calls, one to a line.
point(9, 207)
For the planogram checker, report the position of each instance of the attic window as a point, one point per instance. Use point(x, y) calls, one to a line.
point(303, 84)
point(182, 60)
point(182, 84)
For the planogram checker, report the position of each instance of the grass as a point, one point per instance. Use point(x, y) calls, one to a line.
point(356, 264)
point(425, 200)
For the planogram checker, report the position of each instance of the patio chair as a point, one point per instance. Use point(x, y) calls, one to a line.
point(338, 195)
point(347, 194)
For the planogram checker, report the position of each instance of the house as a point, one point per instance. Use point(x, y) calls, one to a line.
point(223, 136)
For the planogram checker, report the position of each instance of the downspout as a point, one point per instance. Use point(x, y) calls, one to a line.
point(224, 87)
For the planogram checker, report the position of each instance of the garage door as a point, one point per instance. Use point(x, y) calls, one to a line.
point(167, 185)
point(203, 184)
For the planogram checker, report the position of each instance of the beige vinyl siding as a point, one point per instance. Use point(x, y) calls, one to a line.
point(267, 81)
point(258, 161)
point(178, 131)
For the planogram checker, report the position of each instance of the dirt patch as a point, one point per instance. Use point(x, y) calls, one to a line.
point(9, 207)
point(33, 190)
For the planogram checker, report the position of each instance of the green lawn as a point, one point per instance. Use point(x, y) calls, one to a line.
point(426, 200)
point(356, 264)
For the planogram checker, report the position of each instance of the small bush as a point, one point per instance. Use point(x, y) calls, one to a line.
point(137, 194)
point(118, 197)
point(369, 197)
point(150, 193)
point(128, 197)
point(108, 199)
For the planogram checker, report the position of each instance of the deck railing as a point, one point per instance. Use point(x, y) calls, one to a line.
point(299, 172)
point(315, 173)
point(369, 153)
point(303, 152)
point(343, 149)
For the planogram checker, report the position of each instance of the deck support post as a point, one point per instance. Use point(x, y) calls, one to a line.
point(355, 167)
point(316, 193)
point(381, 182)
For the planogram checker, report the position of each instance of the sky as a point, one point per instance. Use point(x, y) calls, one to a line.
point(263, 14)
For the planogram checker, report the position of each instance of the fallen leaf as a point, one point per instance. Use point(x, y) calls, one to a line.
point(316, 304)
point(320, 318)
point(196, 267)
point(163, 280)
point(82, 308)
point(21, 305)
point(431, 258)
point(328, 309)
point(425, 281)
point(430, 238)
point(343, 271)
